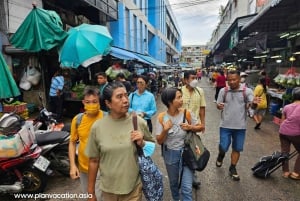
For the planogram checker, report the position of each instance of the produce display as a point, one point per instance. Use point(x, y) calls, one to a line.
point(289, 80)
point(77, 91)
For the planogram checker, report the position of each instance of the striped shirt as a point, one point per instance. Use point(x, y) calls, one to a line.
point(57, 83)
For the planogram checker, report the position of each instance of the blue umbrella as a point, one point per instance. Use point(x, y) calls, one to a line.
point(8, 86)
point(86, 44)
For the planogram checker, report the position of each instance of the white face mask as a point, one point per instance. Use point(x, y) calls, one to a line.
point(243, 80)
point(193, 83)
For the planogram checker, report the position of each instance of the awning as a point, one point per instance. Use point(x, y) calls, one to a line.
point(126, 55)
point(276, 16)
point(153, 61)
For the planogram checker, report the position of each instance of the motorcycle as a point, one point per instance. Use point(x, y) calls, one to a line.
point(22, 168)
point(53, 141)
point(55, 147)
point(25, 173)
point(53, 138)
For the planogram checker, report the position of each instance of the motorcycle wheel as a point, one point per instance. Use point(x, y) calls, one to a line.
point(34, 181)
point(61, 163)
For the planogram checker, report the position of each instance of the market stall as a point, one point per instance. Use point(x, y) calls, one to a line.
point(281, 96)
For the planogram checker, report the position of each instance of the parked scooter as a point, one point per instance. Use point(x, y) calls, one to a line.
point(53, 139)
point(26, 173)
point(53, 142)
point(55, 147)
point(22, 168)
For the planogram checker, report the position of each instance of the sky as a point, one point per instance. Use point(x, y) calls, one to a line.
point(197, 19)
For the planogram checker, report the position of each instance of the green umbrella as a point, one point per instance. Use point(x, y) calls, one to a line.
point(41, 30)
point(8, 86)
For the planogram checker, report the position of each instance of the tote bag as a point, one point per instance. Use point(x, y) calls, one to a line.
point(151, 176)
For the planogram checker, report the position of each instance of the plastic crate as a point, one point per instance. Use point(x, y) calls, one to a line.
point(17, 108)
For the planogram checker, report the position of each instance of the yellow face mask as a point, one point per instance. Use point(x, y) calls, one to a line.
point(92, 108)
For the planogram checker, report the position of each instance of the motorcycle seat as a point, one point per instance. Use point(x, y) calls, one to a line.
point(51, 137)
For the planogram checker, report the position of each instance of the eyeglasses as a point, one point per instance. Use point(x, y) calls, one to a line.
point(140, 82)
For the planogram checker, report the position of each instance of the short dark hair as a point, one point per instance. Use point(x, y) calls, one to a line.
point(234, 72)
point(145, 78)
point(121, 75)
point(90, 90)
point(168, 95)
point(101, 74)
point(187, 74)
point(296, 93)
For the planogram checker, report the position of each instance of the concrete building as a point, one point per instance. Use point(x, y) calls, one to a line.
point(194, 55)
point(147, 27)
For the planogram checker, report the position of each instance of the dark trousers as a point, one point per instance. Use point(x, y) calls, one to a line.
point(149, 123)
point(56, 106)
point(286, 142)
point(217, 92)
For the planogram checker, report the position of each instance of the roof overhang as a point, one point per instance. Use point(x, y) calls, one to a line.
point(232, 33)
point(277, 16)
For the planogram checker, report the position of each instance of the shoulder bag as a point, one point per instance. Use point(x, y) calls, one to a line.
point(194, 154)
point(151, 176)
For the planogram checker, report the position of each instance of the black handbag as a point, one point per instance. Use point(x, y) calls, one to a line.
point(152, 178)
point(194, 154)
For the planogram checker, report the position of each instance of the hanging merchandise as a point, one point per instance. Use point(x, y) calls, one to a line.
point(33, 72)
point(24, 83)
point(33, 75)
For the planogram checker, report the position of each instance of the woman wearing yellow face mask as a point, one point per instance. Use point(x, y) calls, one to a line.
point(80, 132)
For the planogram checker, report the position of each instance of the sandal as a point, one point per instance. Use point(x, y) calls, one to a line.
point(295, 176)
point(286, 174)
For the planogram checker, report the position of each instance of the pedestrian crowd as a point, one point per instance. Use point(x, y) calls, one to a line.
point(106, 160)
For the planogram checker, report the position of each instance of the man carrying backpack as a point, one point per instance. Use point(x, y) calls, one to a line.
point(80, 130)
point(233, 101)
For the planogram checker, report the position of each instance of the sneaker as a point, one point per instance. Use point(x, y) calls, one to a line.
point(233, 173)
point(219, 161)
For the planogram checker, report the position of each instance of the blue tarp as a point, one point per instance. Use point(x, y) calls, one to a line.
point(126, 55)
point(150, 59)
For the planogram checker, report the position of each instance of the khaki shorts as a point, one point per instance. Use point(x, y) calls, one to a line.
point(135, 195)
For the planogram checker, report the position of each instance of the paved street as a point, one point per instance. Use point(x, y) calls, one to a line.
point(216, 184)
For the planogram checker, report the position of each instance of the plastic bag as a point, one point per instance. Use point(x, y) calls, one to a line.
point(24, 83)
point(33, 75)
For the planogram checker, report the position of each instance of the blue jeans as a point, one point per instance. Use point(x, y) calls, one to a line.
point(174, 167)
point(237, 136)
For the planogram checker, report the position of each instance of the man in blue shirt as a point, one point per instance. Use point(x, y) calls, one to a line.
point(56, 94)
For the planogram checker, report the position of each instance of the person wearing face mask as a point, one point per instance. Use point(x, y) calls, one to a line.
point(80, 133)
point(194, 101)
point(243, 79)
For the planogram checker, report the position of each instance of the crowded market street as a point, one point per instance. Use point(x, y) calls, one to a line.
point(216, 184)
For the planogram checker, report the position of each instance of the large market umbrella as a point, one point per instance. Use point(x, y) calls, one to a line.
point(86, 44)
point(41, 30)
point(8, 86)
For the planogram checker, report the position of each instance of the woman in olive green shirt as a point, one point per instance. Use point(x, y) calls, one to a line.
point(111, 148)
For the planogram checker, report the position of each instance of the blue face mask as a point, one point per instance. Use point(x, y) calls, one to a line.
point(149, 148)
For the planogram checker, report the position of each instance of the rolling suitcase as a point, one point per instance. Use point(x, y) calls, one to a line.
point(268, 164)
